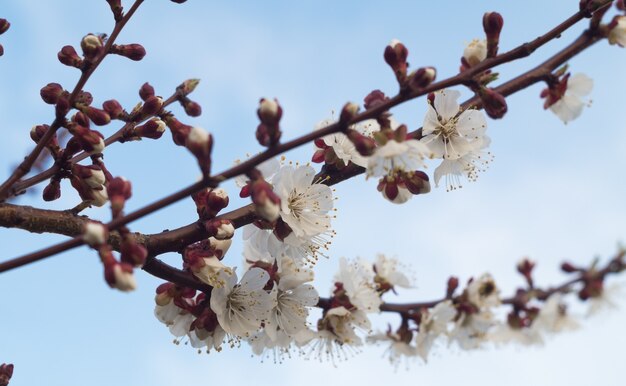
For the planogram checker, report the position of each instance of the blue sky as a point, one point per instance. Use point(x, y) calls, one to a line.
point(553, 192)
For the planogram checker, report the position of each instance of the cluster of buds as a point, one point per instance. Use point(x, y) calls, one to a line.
point(6, 372)
point(133, 51)
point(492, 24)
point(522, 315)
point(89, 182)
point(209, 202)
point(4, 26)
point(203, 260)
point(266, 201)
point(268, 132)
point(399, 186)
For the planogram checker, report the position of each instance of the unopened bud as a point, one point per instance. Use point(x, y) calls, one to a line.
point(220, 247)
point(146, 91)
point(4, 26)
point(423, 77)
point(221, 229)
point(209, 202)
point(269, 111)
point(51, 93)
point(91, 175)
point(95, 234)
point(374, 98)
point(37, 132)
point(267, 203)
point(363, 144)
point(475, 52)
point(90, 140)
point(69, 57)
point(492, 24)
point(153, 129)
point(200, 143)
point(134, 51)
point(192, 108)
point(62, 106)
point(116, 8)
point(179, 130)
point(178, 1)
point(151, 106)
point(84, 98)
point(453, 284)
point(588, 7)
point(6, 372)
point(493, 102)
point(119, 190)
point(97, 116)
point(120, 276)
point(114, 109)
point(617, 31)
point(569, 268)
point(348, 112)
point(92, 46)
point(395, 56)
point(132, 252)
point(188, 86)
point(52, 191)
point(416, 182)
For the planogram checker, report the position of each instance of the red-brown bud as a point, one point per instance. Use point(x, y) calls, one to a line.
point(267, 203)
point(69, 57)
point(146, 91)
point(395, 56)
point(193, 109)
point(209, 202)
point(116, 8)
point(179, 130)
point(119, 190)
point(374, 99)
point(348, 112)
point(37, 132)
point(200, 143)
point(4, 26)
point(62, 106)
point(97, 116)
point(91, 141)
point(423, 77)
point(221, 229)
point(493, 102)
point(492, 24)
point(453, 284)
point(153, 129)
point(363, 144)
point(6, 372)
point(269, 111)
point(92, 46)
point(81, 119)
point(51, 92)
point(569, 267)
point(416, 182)
point(52, 191)
point(114, 109)
point(133, 253)
point(187, 86)
point(151, 106)
point(1, 50)
point(133, 51)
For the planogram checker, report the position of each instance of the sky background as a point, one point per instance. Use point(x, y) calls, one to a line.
point(553, 192)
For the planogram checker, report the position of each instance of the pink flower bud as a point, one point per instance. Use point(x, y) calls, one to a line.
point(52, 191)
point(92, 46)
point(151, 106)
point(493, 102)
point(97, 116)
point(134, 52)
point(81, 119)
point(569, 268)
point(91, 141)
point(51, 93)
point(4, 26)
point(120, 276)
point(69, 57)
point(374, 99)
point(153, 129)
point(423, 77)
point(114, 109)
point(146, 91)
point(395, 56)
point(200, 143)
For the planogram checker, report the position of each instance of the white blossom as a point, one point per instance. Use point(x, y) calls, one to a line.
point(570, 105)
point(468, 166)
point(471, 330)
point(617, 34)
point(448, 134)
point(553, 316)
point(342, 146)
point(434, 324)
point(242, 307)
point(386, 269)
point(359, 286)
point(483, 292)
point(475, 52)
point(408, 155)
